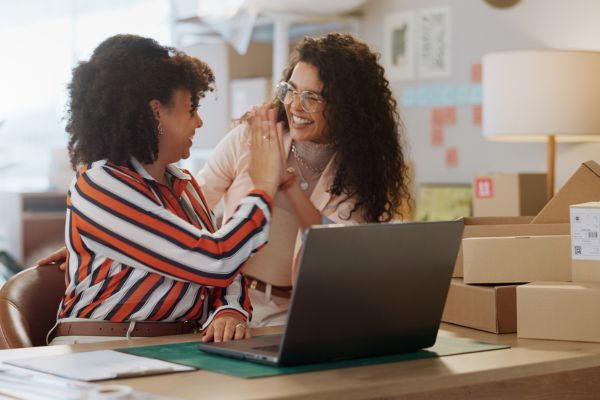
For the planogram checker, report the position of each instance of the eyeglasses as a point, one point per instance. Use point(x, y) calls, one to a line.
point(308, 100)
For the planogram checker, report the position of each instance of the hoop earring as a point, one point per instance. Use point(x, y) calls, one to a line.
point(160, 130)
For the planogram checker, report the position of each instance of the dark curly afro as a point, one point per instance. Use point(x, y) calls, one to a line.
point(109, 116)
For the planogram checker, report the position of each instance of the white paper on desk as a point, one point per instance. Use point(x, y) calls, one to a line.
point(98, 365)
point(25, 384)
point(21, 383)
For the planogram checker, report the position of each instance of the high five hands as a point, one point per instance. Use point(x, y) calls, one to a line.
point(268, 156)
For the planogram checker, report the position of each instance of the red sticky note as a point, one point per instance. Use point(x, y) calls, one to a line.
point(476, 73)
point(484, 188)
point(451, 157)
point(437, 135)
point(450, 115)
point(477, 114)
point(437, 116)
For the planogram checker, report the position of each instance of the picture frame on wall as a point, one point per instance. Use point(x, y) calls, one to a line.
point(399, 46)
point(433, 53)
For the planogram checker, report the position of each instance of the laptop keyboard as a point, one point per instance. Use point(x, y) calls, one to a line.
point(273, 348)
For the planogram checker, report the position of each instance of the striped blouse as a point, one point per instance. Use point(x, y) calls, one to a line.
point(139, 250)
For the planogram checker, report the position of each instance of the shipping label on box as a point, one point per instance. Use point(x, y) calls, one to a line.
point(585, 242)
point(585, 231)
point(483, 188)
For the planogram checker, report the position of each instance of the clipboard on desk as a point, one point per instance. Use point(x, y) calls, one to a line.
point(99, 365)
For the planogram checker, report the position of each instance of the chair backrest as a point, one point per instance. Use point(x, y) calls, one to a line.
point(28, 306)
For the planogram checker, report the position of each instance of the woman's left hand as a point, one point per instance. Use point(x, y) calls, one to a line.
point(58, 257)
point(265, 151)
point(225, 328)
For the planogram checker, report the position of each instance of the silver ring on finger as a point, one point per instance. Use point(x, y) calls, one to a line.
point(240, 325)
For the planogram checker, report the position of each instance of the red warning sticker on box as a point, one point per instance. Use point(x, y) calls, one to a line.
point(484, 188)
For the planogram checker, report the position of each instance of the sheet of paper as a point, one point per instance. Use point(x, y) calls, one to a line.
point(21, 383)
point(98, 365)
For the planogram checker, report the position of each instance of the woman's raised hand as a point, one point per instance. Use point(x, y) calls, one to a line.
point(266, 164)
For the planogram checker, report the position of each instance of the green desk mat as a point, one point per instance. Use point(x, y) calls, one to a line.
point(189, 354)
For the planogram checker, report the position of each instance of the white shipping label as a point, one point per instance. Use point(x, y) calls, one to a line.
point(585, 232)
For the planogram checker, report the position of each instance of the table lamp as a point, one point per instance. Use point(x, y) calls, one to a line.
point(542, 95)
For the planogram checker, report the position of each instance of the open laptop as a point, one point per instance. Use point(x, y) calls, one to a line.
point(362, 291)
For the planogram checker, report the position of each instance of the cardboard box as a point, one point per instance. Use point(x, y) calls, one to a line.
point(585, 242)
point(559, 310)
point(503, 227)
point(508, 194)
point(582, 186)
point(517, 259)
point(488, 308)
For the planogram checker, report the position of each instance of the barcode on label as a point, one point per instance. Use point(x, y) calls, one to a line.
point(577, 250)
point(593, 235)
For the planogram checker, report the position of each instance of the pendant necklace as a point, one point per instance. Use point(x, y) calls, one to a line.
point(304, 183)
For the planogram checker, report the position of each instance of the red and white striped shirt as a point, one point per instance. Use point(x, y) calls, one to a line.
point(142, 251)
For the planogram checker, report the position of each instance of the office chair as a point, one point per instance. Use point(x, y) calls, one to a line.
point(28, 305)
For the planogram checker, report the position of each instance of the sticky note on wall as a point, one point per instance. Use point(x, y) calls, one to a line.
point(437, 135)
point(451, 157)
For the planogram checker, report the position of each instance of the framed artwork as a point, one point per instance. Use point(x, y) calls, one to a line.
point(398, 46)
point(433, 53)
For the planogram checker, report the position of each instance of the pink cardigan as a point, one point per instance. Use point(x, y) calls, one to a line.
point(225, 176)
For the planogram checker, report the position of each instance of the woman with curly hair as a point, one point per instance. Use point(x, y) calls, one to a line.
point(342, 140)
point(144, 255)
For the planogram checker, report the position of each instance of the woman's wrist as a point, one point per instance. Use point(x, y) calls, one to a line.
point(268, 188)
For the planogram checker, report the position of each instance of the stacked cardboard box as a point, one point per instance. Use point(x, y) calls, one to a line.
point(568, 310)
point(488, 308)
point(559, 310)
point(508, 194)
point(516, 259)
point(504, 227)
point(542, 255)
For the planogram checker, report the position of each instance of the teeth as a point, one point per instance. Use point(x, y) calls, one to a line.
point(300, 121)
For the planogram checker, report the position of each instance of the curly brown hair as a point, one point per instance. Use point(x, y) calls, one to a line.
point(365, 128)
point(109, 115)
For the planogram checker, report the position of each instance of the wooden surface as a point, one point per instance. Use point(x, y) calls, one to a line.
point(531, 369)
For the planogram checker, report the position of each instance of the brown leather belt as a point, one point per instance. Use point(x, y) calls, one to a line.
point(279, 291)
point(107, 328)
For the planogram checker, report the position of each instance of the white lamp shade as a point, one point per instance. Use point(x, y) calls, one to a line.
point(528, 95)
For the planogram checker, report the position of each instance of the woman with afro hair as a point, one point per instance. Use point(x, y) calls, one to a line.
point(144, 255)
